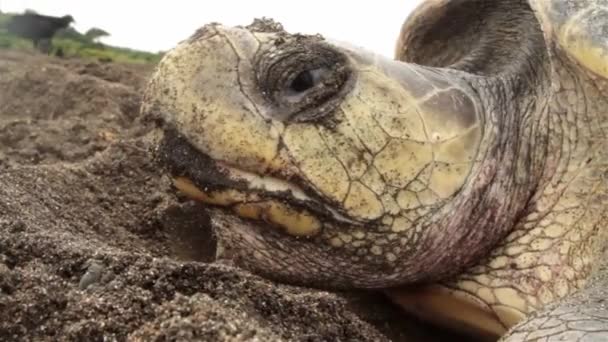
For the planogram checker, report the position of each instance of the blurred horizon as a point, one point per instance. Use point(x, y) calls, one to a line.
point(160, 25)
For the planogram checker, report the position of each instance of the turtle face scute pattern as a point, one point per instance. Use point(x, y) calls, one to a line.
point(359, 163)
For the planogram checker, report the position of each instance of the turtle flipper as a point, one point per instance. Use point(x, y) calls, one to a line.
point(581, 317)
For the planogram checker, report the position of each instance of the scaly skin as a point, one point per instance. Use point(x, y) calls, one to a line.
point(473, 188)
point(552, 249)
point(580, 317)
point(576, 31)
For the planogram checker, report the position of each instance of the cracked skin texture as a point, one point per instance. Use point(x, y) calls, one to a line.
point(467, 178)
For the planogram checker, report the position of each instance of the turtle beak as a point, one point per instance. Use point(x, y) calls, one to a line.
point(205, 89)
point(261, 199)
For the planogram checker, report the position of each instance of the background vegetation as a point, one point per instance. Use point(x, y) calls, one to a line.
point(72, 43)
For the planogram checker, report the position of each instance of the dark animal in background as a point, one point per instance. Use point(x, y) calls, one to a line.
point(38, 28)
point(59, 52)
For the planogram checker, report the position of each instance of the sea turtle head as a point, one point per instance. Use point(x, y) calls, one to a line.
point(321, 162)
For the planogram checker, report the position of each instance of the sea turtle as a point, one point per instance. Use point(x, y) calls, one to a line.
point(467, 178)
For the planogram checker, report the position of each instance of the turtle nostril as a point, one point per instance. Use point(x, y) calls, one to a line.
point(304, 81)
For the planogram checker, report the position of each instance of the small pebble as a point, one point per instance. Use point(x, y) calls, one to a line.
point(94, 273)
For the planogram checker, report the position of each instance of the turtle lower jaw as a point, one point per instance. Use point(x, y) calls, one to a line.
point(294, 221)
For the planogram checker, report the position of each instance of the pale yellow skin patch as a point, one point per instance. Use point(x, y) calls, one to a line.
point(449, 308)
point(316, 161)
point(364, 202)
point(395, 138)
point(589, 54)
point(295, 222)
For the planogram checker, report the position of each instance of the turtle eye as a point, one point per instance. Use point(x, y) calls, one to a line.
point(306, 80)
point(303, 80)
